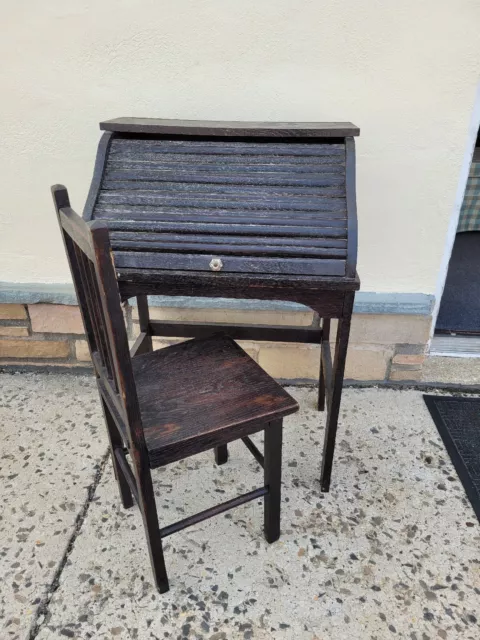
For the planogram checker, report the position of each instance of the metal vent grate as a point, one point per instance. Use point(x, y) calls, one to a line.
point(456, 346)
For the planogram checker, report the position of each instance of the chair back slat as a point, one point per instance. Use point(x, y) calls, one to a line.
point(106, 347)
point(85, 283)
point(94, 305)
point(89, 254)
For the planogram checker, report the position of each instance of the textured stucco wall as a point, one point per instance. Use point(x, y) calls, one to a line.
point(405, 72)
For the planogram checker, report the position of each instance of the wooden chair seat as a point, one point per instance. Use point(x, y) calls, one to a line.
point(203, 393)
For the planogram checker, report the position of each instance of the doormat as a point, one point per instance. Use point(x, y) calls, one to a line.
point(458, 422)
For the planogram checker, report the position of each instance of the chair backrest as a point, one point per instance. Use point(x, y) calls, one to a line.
point(87, 245)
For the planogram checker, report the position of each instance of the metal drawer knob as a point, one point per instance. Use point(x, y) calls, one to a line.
point(216, 264)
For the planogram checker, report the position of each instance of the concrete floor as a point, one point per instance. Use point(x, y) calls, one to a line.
point(391, 552)
point(448, 370)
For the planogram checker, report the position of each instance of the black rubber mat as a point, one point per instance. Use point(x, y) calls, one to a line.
point(458, 422)
point(460, 306)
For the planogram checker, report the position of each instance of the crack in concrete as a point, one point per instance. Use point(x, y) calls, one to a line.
point(43, 608)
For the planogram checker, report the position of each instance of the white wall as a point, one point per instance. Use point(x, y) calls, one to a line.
point(405, 72)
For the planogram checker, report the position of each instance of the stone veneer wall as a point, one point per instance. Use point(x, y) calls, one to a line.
point(382, 346)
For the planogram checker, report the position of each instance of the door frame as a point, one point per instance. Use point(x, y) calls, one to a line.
point(472, 134)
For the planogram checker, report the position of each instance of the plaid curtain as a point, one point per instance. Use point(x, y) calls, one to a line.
point(470, 211)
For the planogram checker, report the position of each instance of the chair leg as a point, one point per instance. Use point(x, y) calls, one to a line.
point(146, 494)
point(116, 441)
point(221, 454)
point(321, 383)
point(148, 510)
point(321, 387)
point(273, 479)
point(343, 332)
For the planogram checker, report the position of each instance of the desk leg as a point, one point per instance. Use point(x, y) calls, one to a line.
point(333, 406)
point(321, 384)
point(144, 320)
point(221, 454)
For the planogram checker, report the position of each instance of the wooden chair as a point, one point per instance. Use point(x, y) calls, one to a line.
point(169, 404)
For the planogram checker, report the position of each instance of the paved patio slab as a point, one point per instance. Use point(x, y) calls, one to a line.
point(390, 552)
point(51, 446)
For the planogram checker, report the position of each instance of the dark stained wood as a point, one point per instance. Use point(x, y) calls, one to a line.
point(299, 193)
point(141, 345)
point(201, 262)
point(120, 459)
point(185, 189)
point(157, 126)
point(251, 446)
point(267, 204)
point(256, 283)
point(221, 454)
point(121, 218)
point(255, 249)
point(149, 239)
point(338, 370)
point(116, 442)
point(115, 409)
point(212, 379)
point(213, 511)
point(351, 207)
point(153, 177)
point(325, 363)
point(328, 303)
point(242, 150)
point(275, 202)
point(327, 372)
point(235, 241)
point(246, 228)
point(73, 226)
point(281, 333)
point(148, 509)
point(166, 405)
point(92, 270)
point(272, 469)
point(144, 320)
point(249, 200)
point(98, 171)
point(89, 253)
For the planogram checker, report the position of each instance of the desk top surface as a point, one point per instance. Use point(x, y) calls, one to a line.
point(153, 126)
